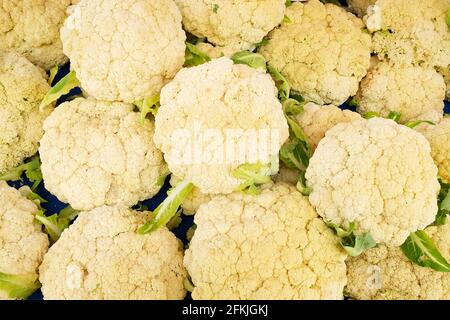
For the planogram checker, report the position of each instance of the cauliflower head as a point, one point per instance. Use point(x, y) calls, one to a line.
point(22, 242)
point(316, 120)
point(384, 273)
point(446, 74)
point(124, 50)
point(194, 199)
point(312, 51)
point(22, 87)
point(379, 175)
point(410, 32)
point(95, 153)
point(31, 27)
point(231, 25)
point(439, 138)
point(413, 91)
point(102, 257)
point(211, 119)
point(360, 6)
point(270, 246)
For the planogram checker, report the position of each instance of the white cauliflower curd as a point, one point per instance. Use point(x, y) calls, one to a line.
point(31, 27)
point(377, 174)
point(322, 51)
point(124, 50)
point(270, 246)
point(214, 118)
point(384, 273)
point(413, 91)
point(231, 25)
point(102, 257)
point(410, 32)
point(316, 120)
point(22, 244)
point(22, 87)
point(439, 137)
point(95, 153)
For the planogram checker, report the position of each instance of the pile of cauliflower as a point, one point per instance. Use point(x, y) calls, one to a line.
point(308, 140)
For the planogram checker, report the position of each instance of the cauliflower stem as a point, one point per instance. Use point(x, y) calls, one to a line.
point(55, 224)
point(168, 208)
point(353, 244)
point(420, 249)
point(63, 87)
point(32, 170)
point(296, 153)
point(444, 205)
point(253, 60)
point(148, 105)
point(194, 56)
point(255, 174)
point(18, 286)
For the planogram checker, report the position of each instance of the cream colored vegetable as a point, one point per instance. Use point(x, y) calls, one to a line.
point(124, 50)
point(31, 27)
point(439, 138)
point(22, 242)
point(385, 273)
point(22, 87)
point(101, 257)
point(95, 153)
point(205, 116)
point(270, 246)
point(410, 32)
point(317, 120)
point(231, 25)
point(322, 51)
point(414, 92)
point(377, 174)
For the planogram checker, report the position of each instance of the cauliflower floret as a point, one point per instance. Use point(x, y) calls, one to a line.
point(31, 27)
point(215, 117)
point(95, 153)
point(124, 50)
point(312, 51)
point(446, 74)
point(360, 6)
point(317, 120)
point(22, 87)
point(101, 256)
point(270, 246)
point(194, 199)
point(410, 32)
point(439, 138)
point(22, 242)
point(231, 25)
point(377, 174)
point(413, 91)
point(385, 273)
